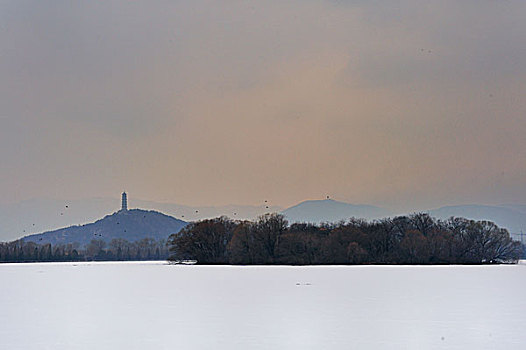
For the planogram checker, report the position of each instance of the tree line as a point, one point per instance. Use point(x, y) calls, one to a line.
point(413, 239)
point(97, 250)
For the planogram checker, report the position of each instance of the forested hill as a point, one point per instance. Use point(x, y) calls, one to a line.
point(131, 225)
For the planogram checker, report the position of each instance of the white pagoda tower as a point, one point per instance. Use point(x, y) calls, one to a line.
point(124, 206)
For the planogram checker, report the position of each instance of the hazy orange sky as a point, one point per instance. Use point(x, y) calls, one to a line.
point(403, 104)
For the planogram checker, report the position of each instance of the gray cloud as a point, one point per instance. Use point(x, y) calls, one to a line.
point(400, 104)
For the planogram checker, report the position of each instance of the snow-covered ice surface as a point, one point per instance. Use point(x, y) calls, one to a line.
point(158, 306)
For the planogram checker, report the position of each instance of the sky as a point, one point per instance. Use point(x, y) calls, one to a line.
point(403, 104)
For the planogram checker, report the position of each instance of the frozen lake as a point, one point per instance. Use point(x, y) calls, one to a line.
point(152, 305)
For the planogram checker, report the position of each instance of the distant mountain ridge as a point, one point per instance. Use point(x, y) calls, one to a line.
point(517, 207)
point(46, 215)
point(509, 216)
point(329, 210)
point(131, 225)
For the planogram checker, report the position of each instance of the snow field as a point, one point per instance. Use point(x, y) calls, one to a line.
point(153, 305)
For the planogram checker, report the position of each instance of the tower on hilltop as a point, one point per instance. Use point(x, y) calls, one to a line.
point(124, 206)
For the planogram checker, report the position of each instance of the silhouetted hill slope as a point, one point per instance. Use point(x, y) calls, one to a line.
point(328, 210)
point(509, 217)
point(41, 215)
point(132, 225)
